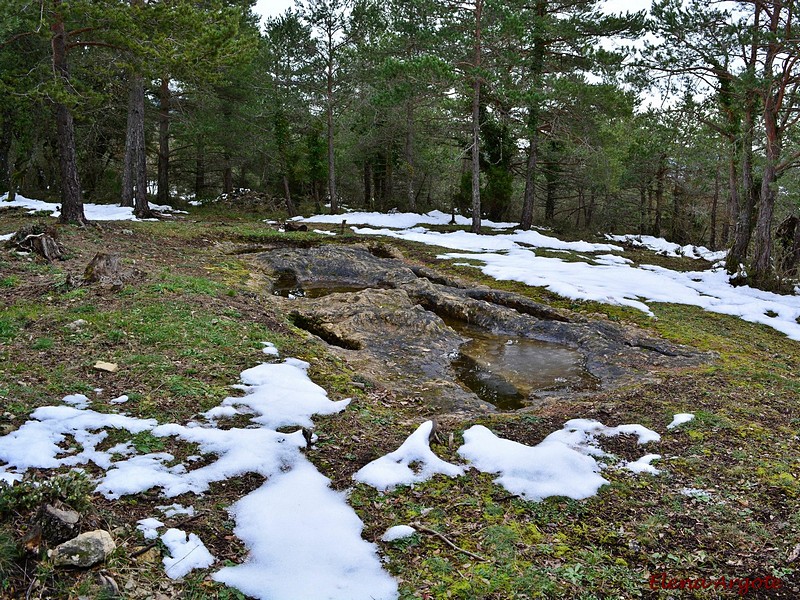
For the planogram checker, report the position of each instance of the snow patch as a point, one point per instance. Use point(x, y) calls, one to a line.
point(149, 527)
point(643, 464)
point(398, 532)
point(307, 544)
point(680, 419)
point(187, 553)
point(413, 462)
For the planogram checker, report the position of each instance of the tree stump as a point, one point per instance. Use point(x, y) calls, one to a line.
point(39, 239)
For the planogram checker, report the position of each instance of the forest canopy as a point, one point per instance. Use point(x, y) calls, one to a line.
point(679, 121)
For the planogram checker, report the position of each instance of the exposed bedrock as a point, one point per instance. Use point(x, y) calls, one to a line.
point(391, 325)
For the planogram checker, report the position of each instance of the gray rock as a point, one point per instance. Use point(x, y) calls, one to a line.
point(58, 523)
point(86, 550)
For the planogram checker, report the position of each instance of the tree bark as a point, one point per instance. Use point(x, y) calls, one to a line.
point(762, 272)
point(134, 178)
point(71, 196)
point(368, 197)
point(712, 236)
point(746, 199)
point(199, 172)
point(476, 123)
point(163, 194)
point(290, 208)
point(411, 198)
point(5, 149)
point(227, 173)
point(530, 179)
point(334, 200)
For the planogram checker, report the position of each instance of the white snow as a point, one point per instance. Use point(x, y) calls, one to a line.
point(398, 532)
point(93, 212)
point(533, 472)
point(563, 464)
point(304, 542)
point(643, 464)
point(77, 400)
point(302, 535)
point(282, 394)
point(662, 246)
point(7, 236)
point(269, 349)
point(680, 419)
point(149, 527)
point(170, 510)
point(606, 278)
point(119, 400)
point(398, 220)
point(9, 478)
point(187, 553)
point(474, 242)
point(413, 462)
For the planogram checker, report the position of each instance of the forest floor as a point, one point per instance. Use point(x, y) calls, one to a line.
point(193, 317)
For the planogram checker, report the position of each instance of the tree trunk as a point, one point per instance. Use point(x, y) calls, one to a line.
point(411, 198)
point(134, 176)
point(163, 195)
point(476, 124)
point(368, 197)
point(334, 200)
point(660, 176)
point(712, 237)
point(71, 196)
point(530, 178)
point(642, 211)
point(5, 149)
point(289, 204)
point(746, 200)
point(199, 171)
point(227, 173)
point(762, 273)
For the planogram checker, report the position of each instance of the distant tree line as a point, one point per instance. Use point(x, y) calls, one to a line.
point(520, 110)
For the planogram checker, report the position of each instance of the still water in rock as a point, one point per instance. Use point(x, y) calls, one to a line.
point(505, 370)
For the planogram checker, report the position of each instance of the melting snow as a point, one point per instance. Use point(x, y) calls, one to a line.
point(304, 542)
point(643, 464)
point(413, 462)
point(606, 278)
point(680, 419)
point(308, 540)
point(149, 527)
point(187, 553)
point(398, 532)
point(563, 464)
point(93, 212)
point(398, 220)
point(666, 248)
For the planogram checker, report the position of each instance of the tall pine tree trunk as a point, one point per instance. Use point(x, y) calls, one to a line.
point(134, 179)
point(200, 171)
point(476, 123)
point(163, 195)
point(290, 208)
point(747, 199)
point(411, 198)
point(530, 179)
point(71, 195)
point(5, 149)
point(329, 121)
point(762, 273)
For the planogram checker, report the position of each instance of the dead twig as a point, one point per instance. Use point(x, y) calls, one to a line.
point(449, 542)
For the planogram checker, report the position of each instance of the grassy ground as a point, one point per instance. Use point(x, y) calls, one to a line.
point(193, 318)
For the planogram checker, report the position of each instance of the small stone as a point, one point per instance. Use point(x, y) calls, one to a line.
point(101, 365)
point(86, 550)
point(76, 325)
point(153, 555)
point(58, 523)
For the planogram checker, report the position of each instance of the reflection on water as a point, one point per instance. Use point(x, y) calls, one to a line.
point(505, 370)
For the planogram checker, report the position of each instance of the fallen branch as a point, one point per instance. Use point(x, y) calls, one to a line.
point(449, 542)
